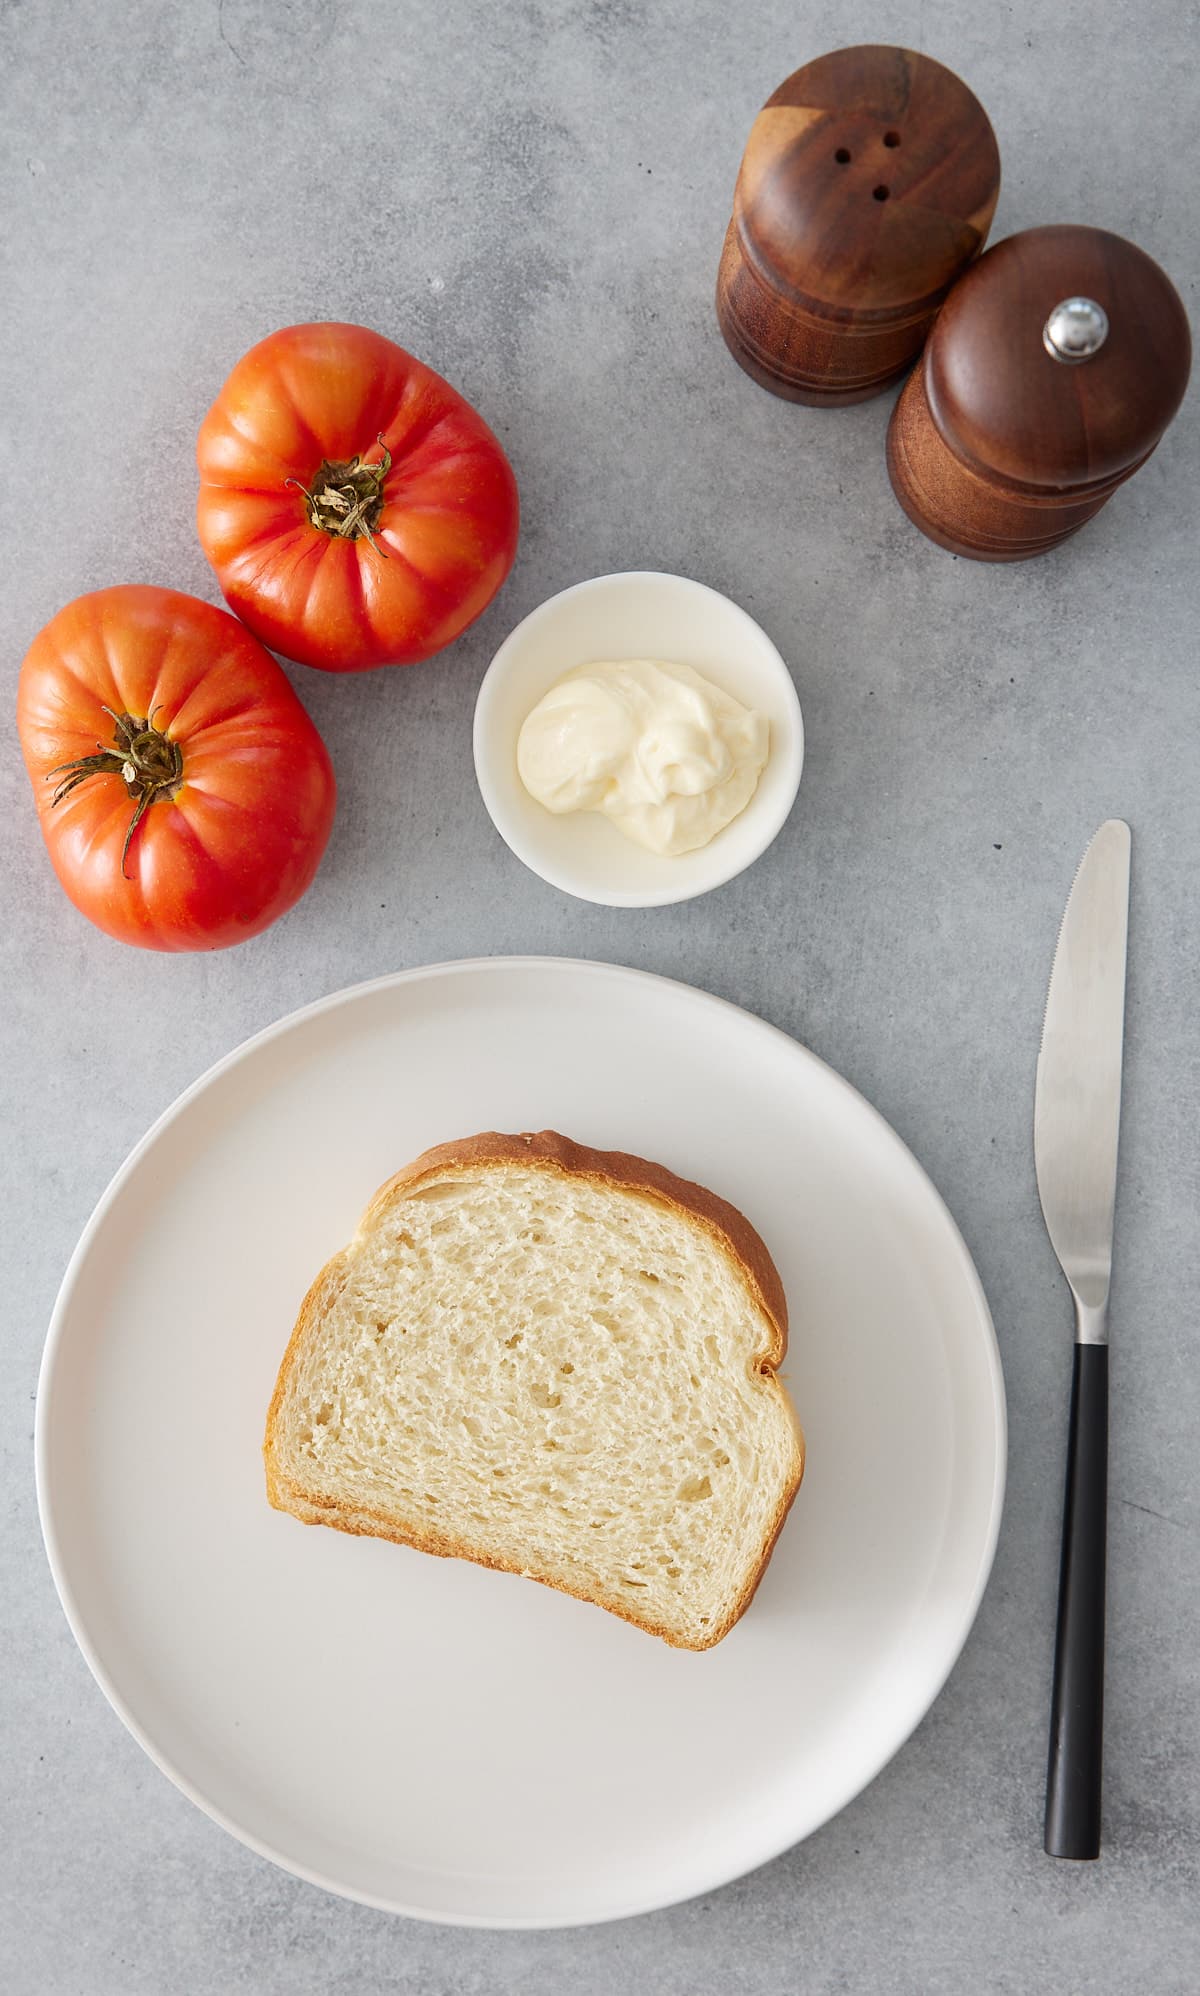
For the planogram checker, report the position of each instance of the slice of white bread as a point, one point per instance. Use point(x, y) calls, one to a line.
point(555, 1361)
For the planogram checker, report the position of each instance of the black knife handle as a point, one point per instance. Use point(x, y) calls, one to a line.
point(1077, 1709)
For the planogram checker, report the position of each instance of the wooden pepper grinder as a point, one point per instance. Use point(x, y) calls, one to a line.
point(1051, 374)
point(868, 184)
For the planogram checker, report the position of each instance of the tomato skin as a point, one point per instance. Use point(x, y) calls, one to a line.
point(447, 533)
point(241, 838)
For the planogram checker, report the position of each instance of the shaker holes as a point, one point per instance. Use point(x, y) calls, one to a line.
point(842, 156)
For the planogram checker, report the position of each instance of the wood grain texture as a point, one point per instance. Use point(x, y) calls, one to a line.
point(997, 450)
point(868, 184)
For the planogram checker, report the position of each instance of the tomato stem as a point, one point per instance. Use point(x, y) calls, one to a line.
point(146, 759)
point(345, 498)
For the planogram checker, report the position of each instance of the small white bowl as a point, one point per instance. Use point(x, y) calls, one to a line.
point(640, 615)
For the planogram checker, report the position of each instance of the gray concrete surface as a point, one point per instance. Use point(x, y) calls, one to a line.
point(532, 196)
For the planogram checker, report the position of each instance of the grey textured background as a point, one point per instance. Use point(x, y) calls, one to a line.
point(532, 197)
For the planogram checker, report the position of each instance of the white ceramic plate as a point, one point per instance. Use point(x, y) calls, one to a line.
point(419, 1733)
point(644, 614)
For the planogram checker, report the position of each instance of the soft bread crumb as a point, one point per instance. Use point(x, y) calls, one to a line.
point(555, 1361)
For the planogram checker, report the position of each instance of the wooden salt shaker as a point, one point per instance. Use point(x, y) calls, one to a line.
point(1054, 368)
point(868, 185)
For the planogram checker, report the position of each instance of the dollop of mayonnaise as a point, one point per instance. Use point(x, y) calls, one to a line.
point(659, 749)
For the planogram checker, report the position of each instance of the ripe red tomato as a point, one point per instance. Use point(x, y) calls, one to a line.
point(356, 509)
point(184, 794)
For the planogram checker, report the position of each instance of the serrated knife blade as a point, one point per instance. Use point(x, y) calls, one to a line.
point(1076, 1124)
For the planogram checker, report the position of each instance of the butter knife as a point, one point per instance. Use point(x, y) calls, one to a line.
point(1077, 1109)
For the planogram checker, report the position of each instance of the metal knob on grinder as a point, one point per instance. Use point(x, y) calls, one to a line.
point(1075, 330)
